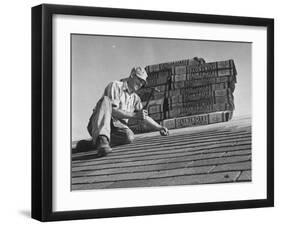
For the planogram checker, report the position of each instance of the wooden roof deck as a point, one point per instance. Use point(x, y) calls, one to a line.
point(217, 153)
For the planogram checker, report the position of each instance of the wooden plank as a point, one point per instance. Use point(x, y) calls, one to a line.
point(157, 166)
point(205, 155)
point(89, 186)
point(188, 133)
point(164, 143)
point(162, 154)
point(169, 149)
point(175, 140)
point(246, 175)
point(141, 175)
point(192, 146)
point(131, 169)
point(221, 160)
point(233, 166)
point(249, 151)
point(181, 180)
point(146, 162)
point(140, 141)
point(226, 145)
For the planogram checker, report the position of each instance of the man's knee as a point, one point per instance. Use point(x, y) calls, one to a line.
point(129, 137)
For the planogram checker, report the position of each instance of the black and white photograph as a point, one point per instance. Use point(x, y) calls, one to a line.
point(142, 112)
point(150, 112)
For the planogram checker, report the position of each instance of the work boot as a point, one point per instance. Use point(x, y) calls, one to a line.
point(84, 145)
point(103, 146)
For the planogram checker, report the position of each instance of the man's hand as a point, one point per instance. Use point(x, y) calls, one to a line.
point(164, 131)
point(142, 114)
point(151, 124)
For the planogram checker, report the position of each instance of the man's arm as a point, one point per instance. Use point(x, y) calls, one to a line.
point(143, 117)
point(148, 122)
point(151, 124)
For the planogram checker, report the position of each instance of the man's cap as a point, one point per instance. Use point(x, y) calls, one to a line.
point(140, 72)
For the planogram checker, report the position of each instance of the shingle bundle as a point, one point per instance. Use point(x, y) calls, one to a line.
point(190, 92)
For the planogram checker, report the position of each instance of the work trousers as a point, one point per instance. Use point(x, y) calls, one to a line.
point(101, 122)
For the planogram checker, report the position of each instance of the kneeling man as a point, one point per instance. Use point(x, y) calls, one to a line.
point(119, 103)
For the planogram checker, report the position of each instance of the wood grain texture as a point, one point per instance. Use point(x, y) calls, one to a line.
point(217, 153)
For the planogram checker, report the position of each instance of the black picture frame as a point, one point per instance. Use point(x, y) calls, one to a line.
point(42, 107)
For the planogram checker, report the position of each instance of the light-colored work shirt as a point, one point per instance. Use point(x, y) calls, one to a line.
point(118, 92)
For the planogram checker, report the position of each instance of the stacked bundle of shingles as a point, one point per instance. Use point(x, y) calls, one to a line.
point(189, 93)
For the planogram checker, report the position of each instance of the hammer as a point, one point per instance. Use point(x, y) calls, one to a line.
point(150, 95)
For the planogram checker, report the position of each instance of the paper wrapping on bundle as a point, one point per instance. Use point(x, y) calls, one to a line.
point(191, 92)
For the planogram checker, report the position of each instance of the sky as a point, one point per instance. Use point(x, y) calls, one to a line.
point(97, 60)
